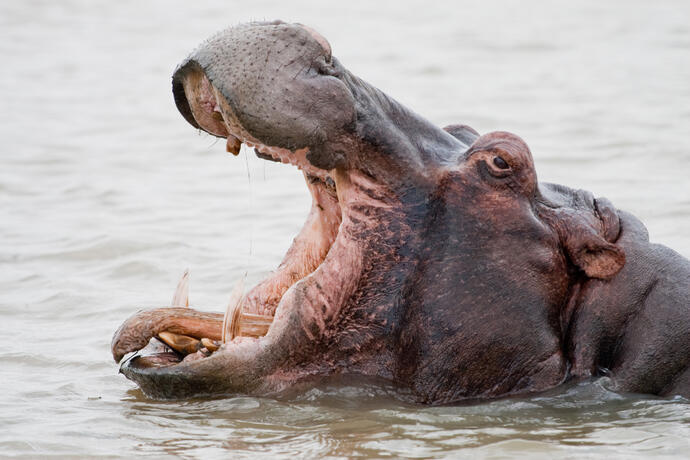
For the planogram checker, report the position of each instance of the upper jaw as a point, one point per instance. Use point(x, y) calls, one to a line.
point(268, 85)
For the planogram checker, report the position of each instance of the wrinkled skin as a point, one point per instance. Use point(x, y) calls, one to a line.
point(431, 258)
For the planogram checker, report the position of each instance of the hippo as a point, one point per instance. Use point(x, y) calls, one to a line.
point(431, 258)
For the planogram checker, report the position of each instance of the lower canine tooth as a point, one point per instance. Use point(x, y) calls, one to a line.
point(233, 145)
point(181, 343)
point(250, 325)
point(181, 296)
point(230, 322)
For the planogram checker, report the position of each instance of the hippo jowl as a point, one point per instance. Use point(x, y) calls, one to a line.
point(431, 257)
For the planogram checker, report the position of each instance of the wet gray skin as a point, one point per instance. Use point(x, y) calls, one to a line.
point(447, 268)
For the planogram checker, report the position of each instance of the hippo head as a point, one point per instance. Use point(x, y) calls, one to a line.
point(430, 257)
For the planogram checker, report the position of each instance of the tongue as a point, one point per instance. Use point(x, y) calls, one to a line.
point(154, 354)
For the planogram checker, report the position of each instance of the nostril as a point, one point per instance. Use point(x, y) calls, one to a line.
point(320, 39)
point(324, 67)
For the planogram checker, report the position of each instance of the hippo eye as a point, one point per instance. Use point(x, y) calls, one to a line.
point(500, 163)
point(496, 166)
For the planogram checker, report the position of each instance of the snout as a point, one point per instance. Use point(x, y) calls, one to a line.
point(273, 84)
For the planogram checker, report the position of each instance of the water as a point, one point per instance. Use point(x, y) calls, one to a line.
point(107, 195)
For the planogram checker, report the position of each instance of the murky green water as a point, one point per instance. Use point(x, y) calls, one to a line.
point(107, 195)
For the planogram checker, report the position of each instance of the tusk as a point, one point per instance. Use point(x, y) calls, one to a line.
point(181, 343)
point(230, 322)
point(250, 325)
point(181, 297)
point(238, 323)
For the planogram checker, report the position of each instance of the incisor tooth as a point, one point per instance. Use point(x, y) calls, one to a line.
point(233, 145)
point(230, 322)
point(181, 296)
point(181, 343)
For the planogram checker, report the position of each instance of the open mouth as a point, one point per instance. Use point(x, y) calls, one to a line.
point(249, 315)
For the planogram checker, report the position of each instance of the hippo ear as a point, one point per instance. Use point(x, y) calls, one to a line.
point(595, 256)
point(463, 133)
